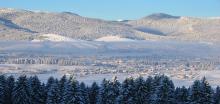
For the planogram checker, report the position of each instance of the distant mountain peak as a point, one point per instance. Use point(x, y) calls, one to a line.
point(18, 24)
point(71, 13)
point(157, 16)
point(11, 10)
point(7, 9)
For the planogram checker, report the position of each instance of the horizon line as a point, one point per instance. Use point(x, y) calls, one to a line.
point(119, 19)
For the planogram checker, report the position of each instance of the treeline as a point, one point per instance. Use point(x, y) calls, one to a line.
point(43, 60)
point(152, 90)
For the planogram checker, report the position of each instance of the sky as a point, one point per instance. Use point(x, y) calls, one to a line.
point(120, 9)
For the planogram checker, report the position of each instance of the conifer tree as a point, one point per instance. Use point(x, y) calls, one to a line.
point(69, 94)
point(21, 93)
point(93, 93)
point(61, 85)
point(182, 95)
point(36, 91)
point(84, 92)
point(165, 92)
point(103, 92)
point(115, 87)
point(52, 93)
point(141, 91)
point(217, 96)
point(109, 92)
point(2, 89)
point(50, 81)
point(149, 89)
point(196, 93)
point(155, 84)
point(77, 92)
point(72, 94)
point(127, 92)
point(10, 83)
point(207, 92)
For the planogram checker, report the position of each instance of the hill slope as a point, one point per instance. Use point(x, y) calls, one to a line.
point(29, 25)
point(180, 28)
point(68, 24)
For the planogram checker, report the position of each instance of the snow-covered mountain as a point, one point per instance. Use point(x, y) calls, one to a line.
point(179, 28)
point(31, 25)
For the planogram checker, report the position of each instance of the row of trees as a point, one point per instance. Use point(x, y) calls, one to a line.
point(153, 90)
point(42, 60)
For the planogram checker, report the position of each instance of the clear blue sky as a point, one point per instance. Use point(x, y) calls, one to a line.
point(120, 9)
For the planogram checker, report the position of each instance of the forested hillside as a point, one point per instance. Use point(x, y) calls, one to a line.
point(31, 25)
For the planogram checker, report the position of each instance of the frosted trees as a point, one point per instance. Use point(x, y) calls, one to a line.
point(182, 95)
point(114, 88)
point(109, 92)
point(84, 92)
point(72, 94)
point(93, 93)
point(195, 92)
point(9, 90)
point(68, 97)
point(37, 91)
point(50, 81)
point(217, 96)
point(207, 92)
point(103, 92)
point(157, 90)
point(2, 89)
point(165, 92)
point(21, 93)
point(127, 92)
point(53, 94)
point(201, 92)
point(148, 89)
point(61, 84)
point(140, 91)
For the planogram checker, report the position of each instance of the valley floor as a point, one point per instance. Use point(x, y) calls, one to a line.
point(179, 77)
point(90, 61)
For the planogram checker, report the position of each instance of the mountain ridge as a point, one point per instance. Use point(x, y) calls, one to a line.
point(159, 26)
point(157, 16)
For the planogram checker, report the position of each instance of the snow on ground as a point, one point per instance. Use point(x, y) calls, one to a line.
point(53, 37)
point(7, 10)
point(212, 77)
point(105, 48)
point(46, 71)
point(112, 39)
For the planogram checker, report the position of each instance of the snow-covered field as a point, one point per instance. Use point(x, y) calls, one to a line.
point(46, 71)
point(107, 48)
